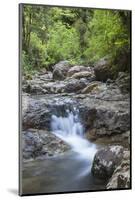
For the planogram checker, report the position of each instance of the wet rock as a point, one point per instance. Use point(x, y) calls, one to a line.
point(54, 87)
point(68, 85)
point(91, 134)
point(45, 77)
point(102, 107)
point(34, 86)
point(34, 89)
point(41, 144)
point(103, 70)
point(83, 74)
point(123, 82)
point(114, 139)
point(111, 108)
point(37, 111)
point(43, 71)
point(79, 68)
point(60, 70)
point(106, 160)
point(121, 176)
point(90, 87)
point(32, 144)
point(74, 85)
point(107, 111)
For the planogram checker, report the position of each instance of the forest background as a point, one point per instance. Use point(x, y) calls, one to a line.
point(80, 35)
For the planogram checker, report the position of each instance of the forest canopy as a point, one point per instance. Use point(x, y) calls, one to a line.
point(79, 35)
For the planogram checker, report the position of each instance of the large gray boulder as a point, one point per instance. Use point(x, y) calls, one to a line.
point(90, 87)
point(121, 176)
point(60, 70)
point(74, 85)
point(37, 111)
point(103, 70)
point(123, 82)
point(36, 84)
point(106, 160)
point(83, 74)
point(110, 111)
point(79, 68)
point(32, 87)
point(41, 144)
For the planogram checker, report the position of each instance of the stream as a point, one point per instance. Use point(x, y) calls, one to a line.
point(68, 172)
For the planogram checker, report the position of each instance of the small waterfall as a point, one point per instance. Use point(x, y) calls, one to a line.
point(70, 130)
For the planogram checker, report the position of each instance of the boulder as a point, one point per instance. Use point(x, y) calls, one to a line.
point(106, 160)
point(37, 111)
point(60, 70)
point(123, 82)
point(76, 69)
point(83, 74)
point(111, 111)
point(92, 86)
point(121, 176)
point(44, 86)
point(34, 88)
point(91, 134)
point(41, 144)
point(117, 139)
point(54, 87)
point(103, 70)
point(74, 85)
point(45, 77)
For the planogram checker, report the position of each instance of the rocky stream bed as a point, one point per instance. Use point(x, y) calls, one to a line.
point(104, 112)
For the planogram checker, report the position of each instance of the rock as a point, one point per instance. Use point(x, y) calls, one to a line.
point(106, 160)
point(60, 70)
point(109, 122)
point(68, 85)
point(106, 110)
point(78, 68)
point(45, 77)
point(74, 85)
point(32, 144)
point(103, 70)
point(91, 134)
point(41, 144)
point(83, 74)
point(34, 89)
point(34, 86)
point(111, 111)
point(54, 87)
point(121, 176)
point(90, 87)
point(123, 82)
point(43, 71)
point(37, 112)
point(117, 139)
point(109, 81)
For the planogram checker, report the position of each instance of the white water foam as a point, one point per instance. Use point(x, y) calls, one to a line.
point(70, 130)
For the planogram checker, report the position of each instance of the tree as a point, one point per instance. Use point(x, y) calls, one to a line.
point(80, 35)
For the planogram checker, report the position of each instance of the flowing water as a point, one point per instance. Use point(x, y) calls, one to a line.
point(70, 130)
point(68, 172)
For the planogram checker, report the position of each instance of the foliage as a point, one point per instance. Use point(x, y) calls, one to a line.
point(108, 35)
point(80, 35)
point(63, 43)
